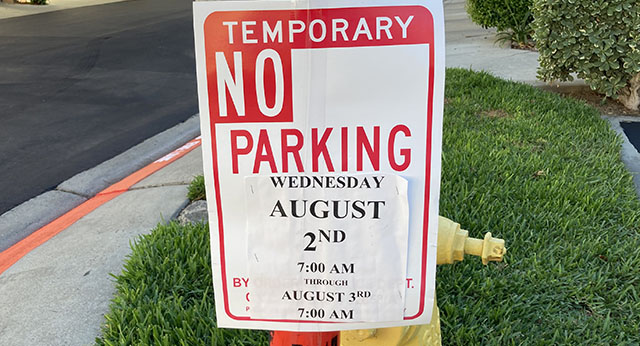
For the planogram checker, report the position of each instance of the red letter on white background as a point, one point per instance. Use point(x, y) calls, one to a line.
point(291, 149)
point(264, 153)
point(373, 151)
point(235, 151)
point(405, 153)
point(320, 147)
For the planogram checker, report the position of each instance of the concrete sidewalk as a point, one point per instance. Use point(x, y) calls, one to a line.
point(472, 47)
point(58, 293)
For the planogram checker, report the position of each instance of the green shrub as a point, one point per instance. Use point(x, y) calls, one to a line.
point(38, 2)
point(196, 189)
point(511, 17)
point(596, 39)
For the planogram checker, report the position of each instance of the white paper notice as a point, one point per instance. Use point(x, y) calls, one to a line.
point(315, 240)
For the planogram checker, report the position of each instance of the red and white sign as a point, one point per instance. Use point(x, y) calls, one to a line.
point(321, 126)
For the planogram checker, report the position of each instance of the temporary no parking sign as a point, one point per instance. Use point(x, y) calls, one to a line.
point(321, 125)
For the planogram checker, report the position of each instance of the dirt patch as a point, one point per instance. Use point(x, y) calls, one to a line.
point(495, 113)
point(606, 106)
point(583, 92)
point(530, 46)
point(540, 173)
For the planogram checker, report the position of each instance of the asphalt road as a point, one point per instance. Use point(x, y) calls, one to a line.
point(80, 86)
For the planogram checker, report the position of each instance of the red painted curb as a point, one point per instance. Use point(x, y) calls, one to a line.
point(13, 254)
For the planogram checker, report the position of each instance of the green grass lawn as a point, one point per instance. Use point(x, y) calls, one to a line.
point(544, 173)
point(538, 170)
point(196, 190)
point(165, 294)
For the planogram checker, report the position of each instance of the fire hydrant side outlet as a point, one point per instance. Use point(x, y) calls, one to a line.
point(453, 244)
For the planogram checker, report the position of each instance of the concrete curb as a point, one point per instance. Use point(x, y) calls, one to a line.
point(92, 181)
point(19, 222)
point(33, 214)
point(630, 156)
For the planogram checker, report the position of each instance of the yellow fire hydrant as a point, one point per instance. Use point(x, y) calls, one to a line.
point(453, 244)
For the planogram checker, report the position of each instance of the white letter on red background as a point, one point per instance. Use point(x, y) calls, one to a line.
point(267, 33)
point(260, 93)
point(225, 81)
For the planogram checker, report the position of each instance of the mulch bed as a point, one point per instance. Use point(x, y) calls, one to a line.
point(584, 93)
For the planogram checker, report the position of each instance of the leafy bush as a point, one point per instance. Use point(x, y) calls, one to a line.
point(38, 2)
point(511, 17)
point(597, 40)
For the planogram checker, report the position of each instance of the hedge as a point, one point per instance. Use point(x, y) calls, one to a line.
point(596, 40)
point(511, 17)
